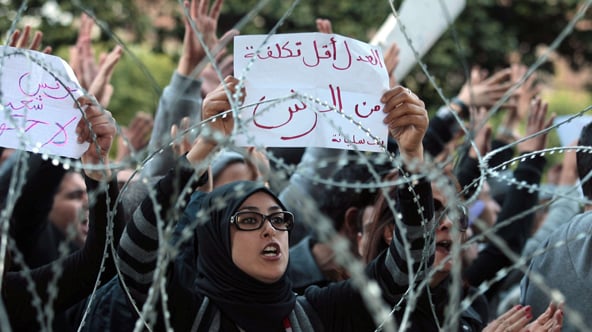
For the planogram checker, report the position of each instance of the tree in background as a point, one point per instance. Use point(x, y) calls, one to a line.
point(491, 33)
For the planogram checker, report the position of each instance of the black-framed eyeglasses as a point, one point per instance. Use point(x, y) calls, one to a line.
point(252, 221)
point(458, 214)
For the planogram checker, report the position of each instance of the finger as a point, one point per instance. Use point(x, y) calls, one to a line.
point(530, 82)
point(47, 50)
point(558, 318)
point(397, 91)
point(220, 53)
point(110, 61)
point(319, 24)
point(202, 7)
point(500, 88)
point(398, 115)
point(328, 26)
point(475, 74)
point(107, 94)
point(104, 129)
point(543, 115)
point(86, 27)
point(101, 80)
point(227, 65)
point(230, 82)
point(550, 121)
point(519, 323)
point(546, 316)
point(174, 131)
point(82, 129)
point(323, 25)
point(394, 98)
point(510, 312)
point(36, 42)
point(216, 8)
point(24, 37)
point(419, 121)
point(14, 38)
point(499, 76)
point(185, 123)
point(216, 107)
point(227, 37)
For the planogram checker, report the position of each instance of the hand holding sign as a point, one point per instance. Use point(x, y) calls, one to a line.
point(218, 102)
point(311, 89)
point(98, 129)
point(407, 120)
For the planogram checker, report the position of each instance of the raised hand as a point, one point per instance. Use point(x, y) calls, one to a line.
point(82, 56)
point(526, 92)
point(137, 134)
point(100, 86)
point(98, 128)
point(206, 22)
point(407, 120)
point(181, 144)
point(21, 40)
point(483, 91)
point(215, 103)
point(551, 320)
point(324, 25)
point(94, 77)
point(537, 121)
point(210, 78)
point(514, 319)
point(218, 102)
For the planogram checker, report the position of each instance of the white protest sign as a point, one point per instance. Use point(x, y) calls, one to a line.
point(328, 83)
point(424, 21)
point(570, 131)
point(38, 92)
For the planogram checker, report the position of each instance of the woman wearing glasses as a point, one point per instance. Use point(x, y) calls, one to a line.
point(241, 236)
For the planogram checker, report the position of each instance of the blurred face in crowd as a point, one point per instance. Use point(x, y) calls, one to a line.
point(70, 206)
point(363, 236)
point(444, 238)
point(262, 253)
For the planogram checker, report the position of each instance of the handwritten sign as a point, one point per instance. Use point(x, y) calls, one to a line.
point(570, 131)
point(38, 92)
point(423, 32)
point(311, 89)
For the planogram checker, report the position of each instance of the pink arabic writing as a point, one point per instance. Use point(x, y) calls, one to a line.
point(353, 140)
point(34, 94)
point(341, 60)
point(259, 120)
point(31, 124)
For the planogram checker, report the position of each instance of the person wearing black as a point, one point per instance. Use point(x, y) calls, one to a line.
point(79, 270)
point(242, 244)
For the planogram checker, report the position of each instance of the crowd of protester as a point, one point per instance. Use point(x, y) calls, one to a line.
point(182, 230)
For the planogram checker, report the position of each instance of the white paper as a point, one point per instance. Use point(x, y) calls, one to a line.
point(312, 72)
point(570, 131)
point(38, 92)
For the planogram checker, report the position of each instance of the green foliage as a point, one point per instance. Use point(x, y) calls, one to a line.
point(138, 79)
point(139, 83)
point(485, 33)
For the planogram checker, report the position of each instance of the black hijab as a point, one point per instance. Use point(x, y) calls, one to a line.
point(251, 304)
